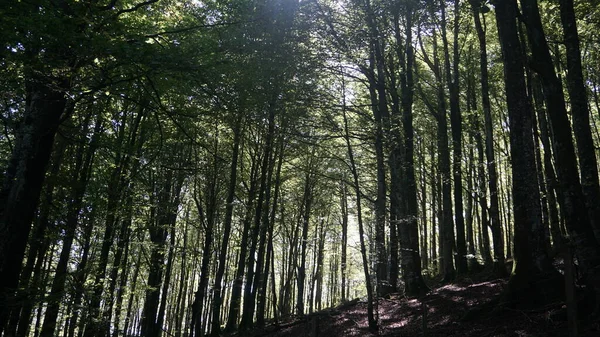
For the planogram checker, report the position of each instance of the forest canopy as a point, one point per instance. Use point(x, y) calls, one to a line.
point(190, 168)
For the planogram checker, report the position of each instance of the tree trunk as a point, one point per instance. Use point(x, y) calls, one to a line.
point(530, 263)
point(119, 178)
point(576, 215)
point(409, 228)
point(38, 248)
point(258, 235)
point(236, 293)
point(83, 168)
point(494, 210)
point(217, 288)
point(363, 250)
point(452, 78)
point(208, 216)
point(344, 243)
point(581, 115)
point(22, 184)
point(270, 219)
point(307, 202)
point(377, 82)
point(163, 216)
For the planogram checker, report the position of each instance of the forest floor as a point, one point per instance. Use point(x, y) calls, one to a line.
point(446, 307)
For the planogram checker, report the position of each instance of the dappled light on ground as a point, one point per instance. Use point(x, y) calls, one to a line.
point(445, 308)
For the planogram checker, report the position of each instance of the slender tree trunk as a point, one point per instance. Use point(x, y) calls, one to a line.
point(218, 288)
point(183, 281)
point(208, 219)
point(258, 235)
point(126, 269)
point(236, 293)
point(307, 209)
point(344, 243)
point(377, 82)
point(550, 175)
point(79, 280)
point(167, 279)
point(494, 213)
point(164, 215)
point(319, 271)
point(270, 217)
point(83, 167)
point(423, 183)
point(396, 151)
point(119, 178)
point(435, 196)
point(481, 196)
point(576, 214)
point(452, 77)
point(581, 115)
point(409, 228)
point(363, 250)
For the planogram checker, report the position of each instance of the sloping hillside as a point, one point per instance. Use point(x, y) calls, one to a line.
point(446, 307)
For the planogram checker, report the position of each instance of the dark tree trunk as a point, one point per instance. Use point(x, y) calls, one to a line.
point(481, 196)
point(581, 116)
point(319, 271)
point(83, 167)
point(258, 235)
point(38, 248)
point(217, 289)
point(134, 283)
point(208, 219)
point(307, 209)
point(553, 198)
point(446, 225)
point(423, 183)
point(452, 77)
point(123, 241)
point(269, 217)
point(24, 177)
point(530, 259)
point(576, 215)
point(373, 327)
point(119, 178)
point(79, 280)
point(494, 210)
point(377, 82)
point(397, 208)
point(409, 228)
point(474, 132)
point(180, 307)
point(343, 258)
point(435, 196)
point(238, 282)
point(164, 215)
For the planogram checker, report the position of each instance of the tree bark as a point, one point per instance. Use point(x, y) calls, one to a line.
point(217, 289)
point(22, 183)
point(494, 209)
point(576, 215)
point(373, 327)
point(83, 168)
point(530, 263)
point(409, 228)
point(588, 163)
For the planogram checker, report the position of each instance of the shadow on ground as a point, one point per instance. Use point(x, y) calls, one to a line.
point(441, 310)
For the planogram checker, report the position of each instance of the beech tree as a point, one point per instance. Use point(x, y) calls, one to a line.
point(201, 168)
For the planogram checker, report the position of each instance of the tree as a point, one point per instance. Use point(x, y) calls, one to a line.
point(530, 259)
point(477, 8)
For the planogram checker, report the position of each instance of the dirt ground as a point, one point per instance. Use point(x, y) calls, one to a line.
point(445, 307)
